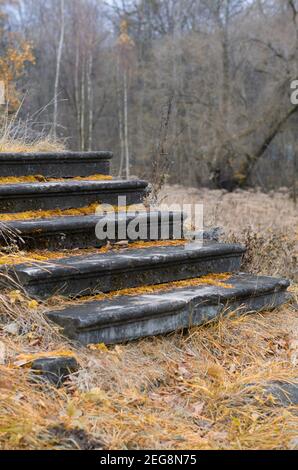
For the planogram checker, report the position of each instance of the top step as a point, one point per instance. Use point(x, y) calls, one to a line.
point(22, 197)
point(55, 165)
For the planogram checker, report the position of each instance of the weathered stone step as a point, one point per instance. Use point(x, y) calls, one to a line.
point(80, 231)
point(65, 195)
point(127, 318)
point(106, 272)
point(55, 165)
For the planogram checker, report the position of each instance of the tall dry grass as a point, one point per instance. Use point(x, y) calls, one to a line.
point(181, 391)
point(29, 135)
point(267, 224)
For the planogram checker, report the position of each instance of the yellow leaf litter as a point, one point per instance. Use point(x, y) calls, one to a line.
point(87, 210)
point(98, 347)
point(45, 179)
point(44, 256)
point(218, 280)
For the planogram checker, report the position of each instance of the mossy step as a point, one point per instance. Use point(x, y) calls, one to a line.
point(80, 231)
point(106, 272)
point(68, 194)
point(55, 164)
point(125, 318)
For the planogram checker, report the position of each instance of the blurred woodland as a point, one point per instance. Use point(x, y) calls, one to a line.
point(193, 92)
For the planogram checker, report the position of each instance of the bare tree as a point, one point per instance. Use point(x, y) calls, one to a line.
point(125, 47)
point(228, 63)
point(58, 66)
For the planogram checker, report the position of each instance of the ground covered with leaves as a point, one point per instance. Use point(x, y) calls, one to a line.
point(204, 389)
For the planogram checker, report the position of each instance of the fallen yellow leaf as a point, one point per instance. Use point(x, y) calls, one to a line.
point(32, 304)
point(98, 347)
point(96, 395)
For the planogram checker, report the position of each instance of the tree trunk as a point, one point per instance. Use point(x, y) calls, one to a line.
point(77, 93)
point(238, 157)
point(126, 145)
point(82, 121)
point(258, 151)
point(58, 68)
point(90, 102)
point(120, 122)
point(225, 105)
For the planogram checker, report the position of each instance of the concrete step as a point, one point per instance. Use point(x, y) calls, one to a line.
point(65, 195)
point(106, 272)
point(127, 318)
point(55, 165)
point(80, 232)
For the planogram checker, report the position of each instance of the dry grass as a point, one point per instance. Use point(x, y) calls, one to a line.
point(267, 224)
point(175, 392)
point(181, 391)
point(41, 145)
point(29, 135)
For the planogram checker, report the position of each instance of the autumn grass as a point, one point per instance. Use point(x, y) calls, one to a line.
point(197, 390)
point(28, 135)
point(19, 146)
point(17, 136)
point(267, 224)
point(181, 391)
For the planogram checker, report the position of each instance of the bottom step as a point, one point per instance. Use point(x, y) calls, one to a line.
point(125, 318)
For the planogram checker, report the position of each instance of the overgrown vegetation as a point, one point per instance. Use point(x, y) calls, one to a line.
point(265, 223)
point(199, 390)
point(176, 392)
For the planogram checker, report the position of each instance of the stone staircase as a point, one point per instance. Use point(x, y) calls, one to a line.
point(117, 290)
